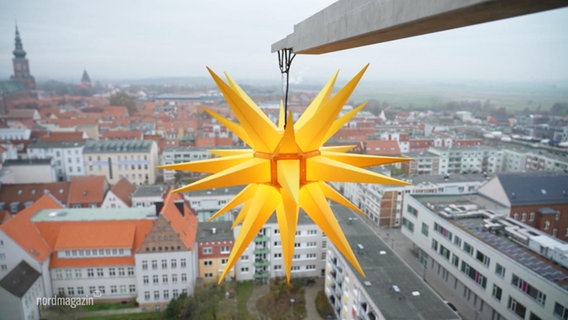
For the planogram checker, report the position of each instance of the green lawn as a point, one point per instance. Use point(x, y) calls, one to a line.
point(129, 316)
point(244, 290)
point(110, 306)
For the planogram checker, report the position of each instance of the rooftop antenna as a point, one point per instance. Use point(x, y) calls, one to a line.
point(285, 57)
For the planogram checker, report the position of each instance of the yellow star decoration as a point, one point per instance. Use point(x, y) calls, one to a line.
point(285, 168)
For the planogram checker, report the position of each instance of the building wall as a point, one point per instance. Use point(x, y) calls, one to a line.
point(12, 307)
point(137, 167)
point(112, 201)
point(213, 258)
point(68, 161)
point(33, 173)
point(116, 282)
point(555, 225)
point(479, 296)
point(163, 276)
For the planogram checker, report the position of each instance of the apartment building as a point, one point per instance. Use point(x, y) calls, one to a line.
point(389, 290)
point(207, 202)
point(134, 160)
point(263, 258)
point(478, 159)
point(215, 241)
point(180, 155)
point(383, 204)
point(67, 157)
point(500, 268)
point(538, 199)
point(110, 254)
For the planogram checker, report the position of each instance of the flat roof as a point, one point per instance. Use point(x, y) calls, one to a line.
point(223, 231)
point(228, 191)
point(153, 190)
point(384, 269)
point(94, 214)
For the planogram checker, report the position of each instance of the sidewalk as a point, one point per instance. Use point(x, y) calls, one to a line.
point(310, 293)
point(405, 250)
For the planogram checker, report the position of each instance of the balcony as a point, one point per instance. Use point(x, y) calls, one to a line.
point(261, 251)
point(261, 275)
point(261, 238)
point(261, 263)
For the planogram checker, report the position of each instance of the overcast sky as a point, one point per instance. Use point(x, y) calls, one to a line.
point(118, 39)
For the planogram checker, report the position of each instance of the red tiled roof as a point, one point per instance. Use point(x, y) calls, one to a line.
point(96, 234)
point(25, 192)
point(130, 134)
point(123, 190)
point(87, 190)
point(62, 136)
point(23, 231)
point(185, 225)
point(383, 147)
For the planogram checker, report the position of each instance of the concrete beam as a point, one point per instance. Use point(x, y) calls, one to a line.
point(353, 23)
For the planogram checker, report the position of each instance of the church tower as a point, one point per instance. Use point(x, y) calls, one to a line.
point(21, 65)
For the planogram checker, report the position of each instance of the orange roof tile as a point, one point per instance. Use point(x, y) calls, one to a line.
point(96, 234)
point(90, 262)
point(185, 224)
point(23, 231)
point(123, 190)
point(87, 190)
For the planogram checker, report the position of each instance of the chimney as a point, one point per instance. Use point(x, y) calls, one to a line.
point(159, 205)
point(179, 205)
point(213, 230)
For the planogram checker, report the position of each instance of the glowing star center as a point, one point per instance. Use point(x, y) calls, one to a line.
point(288, 160)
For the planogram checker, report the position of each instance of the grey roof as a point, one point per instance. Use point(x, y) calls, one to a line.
point(111, 146)
point(56, 144)
point(20, 279)
point(535, 188)
point(223, 231)
point(385, 270)
point(476, 177)
point(30, 162)
point(215, 192)
point(154, 190)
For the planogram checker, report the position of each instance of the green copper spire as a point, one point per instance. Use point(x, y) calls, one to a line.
point(19, 52)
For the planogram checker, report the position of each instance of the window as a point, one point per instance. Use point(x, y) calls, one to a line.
point(164, 278)
point(455, 260)
point(277, 267)
point(121, 272)
point(224, 261)
point(173, 263)
point(184, 277)
point(531, 217)
point(207, 262)
point(244, 257)
point(80, 291)
point(277, 243)
point(100, 272)
point(156, 295)
point(443, 231)
point(225, 249)
point(473, 274)
point(92, 289)
point(208, 275)
point(517, 308)
point(145, 279)
point(560, 311)
point(164, 264)
point(244, 269)
point(154, 264)
point(146, 295)
point(424, 229)
point(144, 265)
point(444, 252)
point(155, 279)
point(166, 294)
point(311, 256)
point(528, 289)
point(113, 289)
point(499, 270)
point(482, 258)
point(207, 250)
point(71, 291)
point(132, 288)
point(183, 263)
point(112, 272)
point(497, 292)
point(102, 289)
point(130, 271)
point(175, 293)
point(467, 248)
point(435, 244)
point(407, 224)
point(411, 210)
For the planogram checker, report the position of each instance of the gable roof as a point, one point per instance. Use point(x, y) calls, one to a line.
point(23, 231)
point(20, 279)
point(184, 223)
point(25, 193)
point(535, 188)
point(123, 190)
point(95, 235)
point(87, 189)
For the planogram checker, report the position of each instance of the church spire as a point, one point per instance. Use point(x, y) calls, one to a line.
point(19, 51)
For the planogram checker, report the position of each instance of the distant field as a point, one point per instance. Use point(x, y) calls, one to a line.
point(513, 96)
